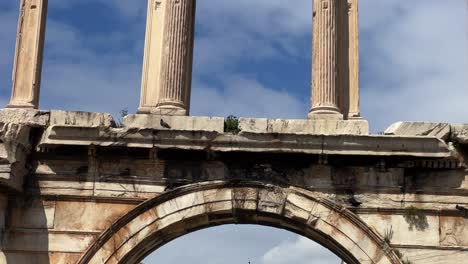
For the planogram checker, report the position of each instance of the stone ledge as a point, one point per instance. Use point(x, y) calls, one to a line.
point(429, 147)
point(445, 131)
point(37, 118)
point(29, 117)
point(304, 126)
point(181, 123)
point(77, 118)
point(460, 133)
point(438, 130)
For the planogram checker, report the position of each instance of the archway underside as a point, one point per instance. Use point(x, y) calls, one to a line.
point(190, 208)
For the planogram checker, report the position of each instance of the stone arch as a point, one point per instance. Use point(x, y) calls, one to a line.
point(193, 207)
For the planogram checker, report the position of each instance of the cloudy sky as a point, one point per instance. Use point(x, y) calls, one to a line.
point(252, 58)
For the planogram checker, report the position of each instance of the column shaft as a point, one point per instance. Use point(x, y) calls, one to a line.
point(343, 73)
point(151, 76)
point(353, 15)
point(27, 68)
point(177, 58)
point(325, 98)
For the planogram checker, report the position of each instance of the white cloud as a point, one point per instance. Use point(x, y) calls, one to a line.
point(416, 69)
point(245, 97)
point(300, 251)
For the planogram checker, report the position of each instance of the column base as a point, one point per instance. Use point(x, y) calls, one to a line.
point(169, 111)
point(144, 110)
point(325, 115)
point(22, 105)
point(354, 116)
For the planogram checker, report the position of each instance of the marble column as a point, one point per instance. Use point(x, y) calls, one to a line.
point(177, 58)
point(325, 97)
point(27, 68)
point(353, 29)
point(151, 75)
point(167, 71)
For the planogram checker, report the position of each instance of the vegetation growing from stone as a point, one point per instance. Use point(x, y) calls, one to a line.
point(231, 125)
point(388, 236)
point(123, 114)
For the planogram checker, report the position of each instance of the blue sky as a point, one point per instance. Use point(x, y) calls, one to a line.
point(252, 58)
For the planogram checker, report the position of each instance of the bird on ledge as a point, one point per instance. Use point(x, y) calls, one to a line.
point(164, 124)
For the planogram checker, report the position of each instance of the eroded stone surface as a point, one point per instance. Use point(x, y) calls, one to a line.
point(86, 119)
point(460, 133)
point(439, 130)
point(310, 127)
point(15, 146)
point(29, 117)
point(187, 123)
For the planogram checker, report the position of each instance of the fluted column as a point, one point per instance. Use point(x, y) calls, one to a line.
point(151, 76)
point(177, 58)
point(325, 98)
point(27, 68)
point(167, 68)
point(353, 29)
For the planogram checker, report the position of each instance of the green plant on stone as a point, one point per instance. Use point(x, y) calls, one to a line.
point(388, 236)
point(123, 114)
point(400, 256)
point(231, 124)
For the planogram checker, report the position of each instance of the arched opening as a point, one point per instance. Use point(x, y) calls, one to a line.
point(234, 244)
point(194, 207)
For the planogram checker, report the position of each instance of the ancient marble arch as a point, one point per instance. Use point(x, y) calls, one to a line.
point(77, 188)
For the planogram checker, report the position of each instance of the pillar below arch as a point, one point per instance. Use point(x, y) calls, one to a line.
point(167, 69)
point(27, 68)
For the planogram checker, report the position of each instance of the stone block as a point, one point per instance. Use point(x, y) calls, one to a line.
point(184, 123)
point(84, 119)
point(41, 241)
point(439, 130)
point(271, 201)
point(453, 231)
point(68, 188)
point(38, 215)
point(304, 127)
point(14, 148)
point(460, 133)
point(245, 198)
point(298, 207)
point(407, 229)
point(318, 176)
point(434, 255)
point(29, 117)
point(88, 216)
point(127, 190)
